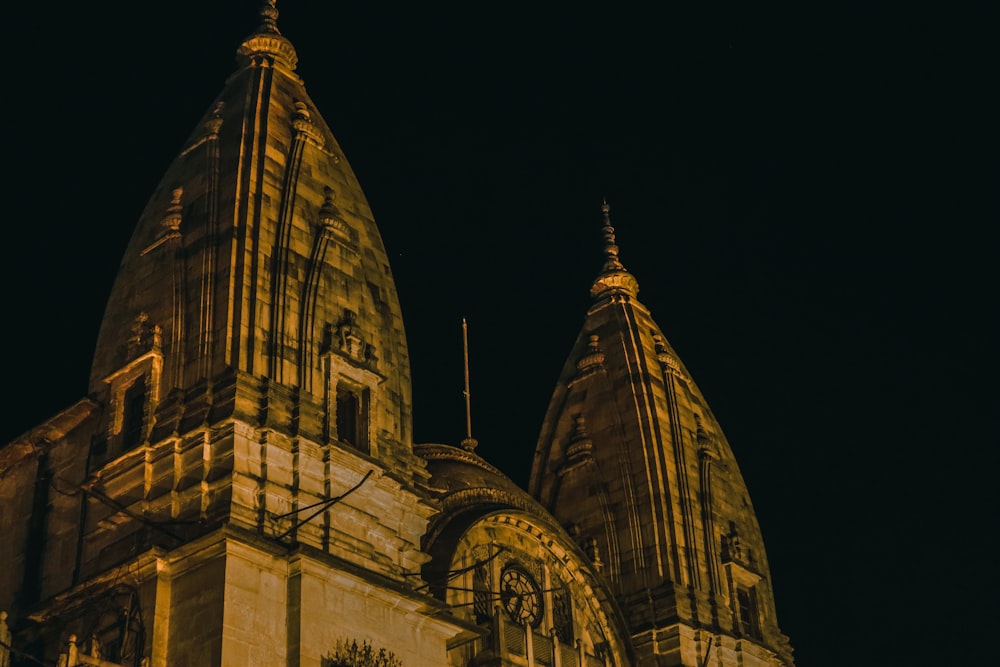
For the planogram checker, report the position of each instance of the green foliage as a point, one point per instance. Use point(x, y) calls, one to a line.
point(347, 653)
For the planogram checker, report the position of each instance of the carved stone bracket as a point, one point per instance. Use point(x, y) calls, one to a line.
point(145, 337)
point(347, 338)
point(733, 550)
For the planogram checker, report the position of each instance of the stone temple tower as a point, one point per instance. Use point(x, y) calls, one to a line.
point(632, 461)
point(248, 421)
point(240, 485)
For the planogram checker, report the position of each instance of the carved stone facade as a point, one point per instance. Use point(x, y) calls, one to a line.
point(241, 486)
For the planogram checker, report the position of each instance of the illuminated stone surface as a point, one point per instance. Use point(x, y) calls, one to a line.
point(241, 487)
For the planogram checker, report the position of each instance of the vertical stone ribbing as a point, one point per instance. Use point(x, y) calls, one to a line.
point(278, 343)
point(650, 444)
point(677, 443)
point(209, 260)
point(307, 318)
point(705, 459)
point(177, 335)
point(249, 201)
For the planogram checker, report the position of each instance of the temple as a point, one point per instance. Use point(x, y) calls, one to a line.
point(240, 485)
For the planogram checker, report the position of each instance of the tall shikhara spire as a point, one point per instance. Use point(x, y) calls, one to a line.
point(276, 248)
point(658, 498)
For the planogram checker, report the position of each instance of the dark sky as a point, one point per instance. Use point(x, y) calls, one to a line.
point(807, 197)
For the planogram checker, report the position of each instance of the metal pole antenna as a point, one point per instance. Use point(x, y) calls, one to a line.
point(469, 443)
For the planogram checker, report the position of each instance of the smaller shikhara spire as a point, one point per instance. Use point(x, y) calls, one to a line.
point(267, 42)
point(613, 279)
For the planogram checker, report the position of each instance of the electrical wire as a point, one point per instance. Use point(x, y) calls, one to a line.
point(323, 505)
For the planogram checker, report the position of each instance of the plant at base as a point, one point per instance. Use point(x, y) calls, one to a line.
point(347, 653)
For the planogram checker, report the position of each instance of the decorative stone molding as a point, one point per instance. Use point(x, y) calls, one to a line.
point(268, 46)
point(593, 357)
point(668, 362)
point(733, 550)
point(333, 223)
point(590, 362)
point(707, 450)
point(580, 449)
point(593, 550)
point(210, 126)
point(348, 339)
point(303, 126)
point(145, 338)
point(213, 123)
point(615, 282)
point(171, 221)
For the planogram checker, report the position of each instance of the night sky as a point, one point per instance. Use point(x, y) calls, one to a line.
point(806, 196)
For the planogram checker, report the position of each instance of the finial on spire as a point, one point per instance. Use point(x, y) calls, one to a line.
point(267, 46)
point(611, 262)
point(269, 17)
point(614, 278)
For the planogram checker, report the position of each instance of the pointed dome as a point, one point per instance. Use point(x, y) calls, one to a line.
point(273, 267)
point(631, 459)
